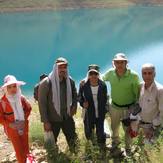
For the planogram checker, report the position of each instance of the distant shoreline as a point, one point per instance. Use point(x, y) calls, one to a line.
point(58, 8)
point(72, 6)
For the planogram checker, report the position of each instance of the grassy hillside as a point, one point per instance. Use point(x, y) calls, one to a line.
point(28, 5)
point(44, 3)
point(25, 5)
point(88, 152)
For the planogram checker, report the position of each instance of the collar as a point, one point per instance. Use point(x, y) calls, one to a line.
point(127, 72)
point(150, 88)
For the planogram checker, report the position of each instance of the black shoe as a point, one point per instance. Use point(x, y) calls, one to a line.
point(114, 146)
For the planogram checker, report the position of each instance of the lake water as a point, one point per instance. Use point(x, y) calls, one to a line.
point(30, 42)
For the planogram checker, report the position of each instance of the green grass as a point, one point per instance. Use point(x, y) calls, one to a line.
point(36, 128)
point(87, 152)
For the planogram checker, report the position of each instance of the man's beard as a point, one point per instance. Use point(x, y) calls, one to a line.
point(63, 74)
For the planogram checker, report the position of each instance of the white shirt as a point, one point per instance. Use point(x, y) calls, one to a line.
point(94, 93)
point(151, 102)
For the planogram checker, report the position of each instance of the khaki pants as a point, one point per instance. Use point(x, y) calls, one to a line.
point(116, 116)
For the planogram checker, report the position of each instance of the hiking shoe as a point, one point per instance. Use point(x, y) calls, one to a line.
point(116, 153)
point(113, 146)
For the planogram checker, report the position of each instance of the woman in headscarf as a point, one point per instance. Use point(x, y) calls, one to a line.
point(14, 112)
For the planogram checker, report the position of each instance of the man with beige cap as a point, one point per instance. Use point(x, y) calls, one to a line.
point(124, 93)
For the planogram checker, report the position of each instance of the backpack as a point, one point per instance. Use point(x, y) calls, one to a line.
point(35, 92)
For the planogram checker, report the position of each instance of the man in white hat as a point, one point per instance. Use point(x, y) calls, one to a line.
point(57, 98)
point(124, 92)
point(151, 102)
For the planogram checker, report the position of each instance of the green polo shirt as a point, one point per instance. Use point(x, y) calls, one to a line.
point(125, 89)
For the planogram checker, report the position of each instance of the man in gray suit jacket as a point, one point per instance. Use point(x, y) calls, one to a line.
point(57, 99)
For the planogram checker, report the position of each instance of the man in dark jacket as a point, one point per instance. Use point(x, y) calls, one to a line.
point(35, 93)
point(93, 97)
point(58, 102)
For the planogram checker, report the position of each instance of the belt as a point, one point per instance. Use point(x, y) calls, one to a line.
point(9, 113)
point(122, 106)
point(147, 123)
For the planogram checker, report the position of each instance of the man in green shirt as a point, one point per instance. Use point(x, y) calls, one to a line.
point(124, 92)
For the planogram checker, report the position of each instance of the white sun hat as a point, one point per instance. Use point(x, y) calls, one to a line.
point(10, 79)
point(120, 57)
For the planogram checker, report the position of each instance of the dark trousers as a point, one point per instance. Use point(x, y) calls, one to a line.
point(99, 126)
point(68, 128)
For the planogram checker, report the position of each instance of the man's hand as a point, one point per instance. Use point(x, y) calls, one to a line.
point(72, 111)
point(47, 126)
point(149, 132)
point(82, 82)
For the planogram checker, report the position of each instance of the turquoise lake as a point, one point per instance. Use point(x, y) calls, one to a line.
point(31, 41)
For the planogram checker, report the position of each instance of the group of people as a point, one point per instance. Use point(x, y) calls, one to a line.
point(130, 99)
point(137, 103)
